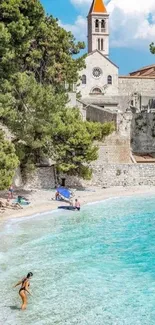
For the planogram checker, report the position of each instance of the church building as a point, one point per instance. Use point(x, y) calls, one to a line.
point(100, 83)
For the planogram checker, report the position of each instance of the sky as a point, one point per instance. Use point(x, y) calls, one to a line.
point(132, 28)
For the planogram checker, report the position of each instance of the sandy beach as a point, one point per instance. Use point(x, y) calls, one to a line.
point(43, 200)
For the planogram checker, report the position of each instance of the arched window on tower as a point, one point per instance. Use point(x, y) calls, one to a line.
point(109, 80)
point(103, 25)
point(102, 44)
point(96, 25)
point(99, 45)
point(84, 79)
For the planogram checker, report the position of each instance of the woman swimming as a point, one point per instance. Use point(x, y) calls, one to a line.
point(25, 283)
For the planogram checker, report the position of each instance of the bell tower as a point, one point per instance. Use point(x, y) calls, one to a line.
point(98, 28)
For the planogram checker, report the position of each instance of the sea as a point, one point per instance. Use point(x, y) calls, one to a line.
point(93, 267)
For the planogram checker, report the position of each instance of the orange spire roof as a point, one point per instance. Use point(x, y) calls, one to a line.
point(98, 7)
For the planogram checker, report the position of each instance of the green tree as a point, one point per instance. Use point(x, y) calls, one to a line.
point(37, 58)
point(152, 48)
point(73, 142)
point(28, 109)
point(34, 42)
point(99, 131)
point(44, 127)
point(8, 162)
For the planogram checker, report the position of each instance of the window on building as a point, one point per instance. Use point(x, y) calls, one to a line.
point(109, 81)
point(97, 72)
point(102, 44)
point(96, 25)
point(84, 79)
point(103, 25)
point(99, 45)
point(96, 91)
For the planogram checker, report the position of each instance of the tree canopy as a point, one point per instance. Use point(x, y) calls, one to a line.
point(37, 58)
point(8, 162)
point(73, 141)
point(34, 42)
point(152, 48)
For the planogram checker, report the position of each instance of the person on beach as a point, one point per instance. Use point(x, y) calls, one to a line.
point(25, 283)
point(57, 196)
point(10, 194)
point(77, 205)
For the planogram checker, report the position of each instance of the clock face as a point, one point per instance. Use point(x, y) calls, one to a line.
point(97, 72)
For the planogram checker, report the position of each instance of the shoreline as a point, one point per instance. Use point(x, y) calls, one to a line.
point(43, 203)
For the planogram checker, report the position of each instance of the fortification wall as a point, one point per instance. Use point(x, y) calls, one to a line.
point(41, 178)
point(104, 175)
point(115, 149)
point(143, 132)
point(97, 114)
point(123, 175)
point(128, 86)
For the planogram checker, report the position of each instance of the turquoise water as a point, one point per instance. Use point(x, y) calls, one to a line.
point(96, 267)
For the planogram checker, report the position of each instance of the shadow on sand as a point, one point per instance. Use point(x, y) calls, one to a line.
point(15, 308)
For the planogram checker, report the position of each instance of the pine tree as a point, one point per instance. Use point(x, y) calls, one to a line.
point(37, 57)
point(8, 162)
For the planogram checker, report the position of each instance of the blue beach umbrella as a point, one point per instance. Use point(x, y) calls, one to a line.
point(64, 192)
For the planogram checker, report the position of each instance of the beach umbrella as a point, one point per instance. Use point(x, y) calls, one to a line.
point(64, 192)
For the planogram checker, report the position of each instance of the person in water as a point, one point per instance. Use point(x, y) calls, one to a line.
point(25, 283)
point(77, 205)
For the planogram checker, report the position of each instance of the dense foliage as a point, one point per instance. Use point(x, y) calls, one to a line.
point(73, 141)
point(36, 60)
point(152, 48)
point(8, 162)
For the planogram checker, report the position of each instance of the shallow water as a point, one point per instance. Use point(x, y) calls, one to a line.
point(96, 267)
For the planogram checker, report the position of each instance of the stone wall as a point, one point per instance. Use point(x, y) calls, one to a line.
point(71, 99)
point(17, 180)
point(127, 85)
point(108, 175)
point(145, 87)
point(123, 175)
point(124, 124)
point(97, 114)
point(41, 178)
point(104, 175)
point(82, 108)
point(143, 132)
point(115, 149)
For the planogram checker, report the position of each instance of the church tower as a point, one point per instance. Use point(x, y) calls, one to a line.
point(98, 28)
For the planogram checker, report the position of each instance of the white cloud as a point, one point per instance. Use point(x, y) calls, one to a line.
point(78, 29)
point(80, 2)
point(130, 22)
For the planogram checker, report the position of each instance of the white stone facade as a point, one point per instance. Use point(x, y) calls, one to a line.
point(98, 33)
point(89, 83)
point(107, 89)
